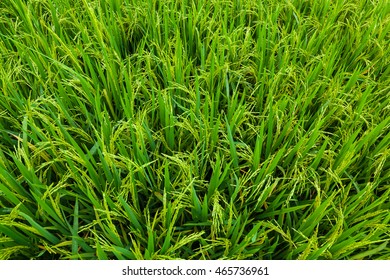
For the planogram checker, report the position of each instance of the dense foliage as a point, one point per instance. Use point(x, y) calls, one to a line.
point(208, 129)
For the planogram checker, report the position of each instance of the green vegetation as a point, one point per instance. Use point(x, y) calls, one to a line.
point(206, 129)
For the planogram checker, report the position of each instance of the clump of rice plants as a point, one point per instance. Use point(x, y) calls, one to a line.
point(194, 129)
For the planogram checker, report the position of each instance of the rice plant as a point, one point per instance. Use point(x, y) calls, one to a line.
point(194, 129)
